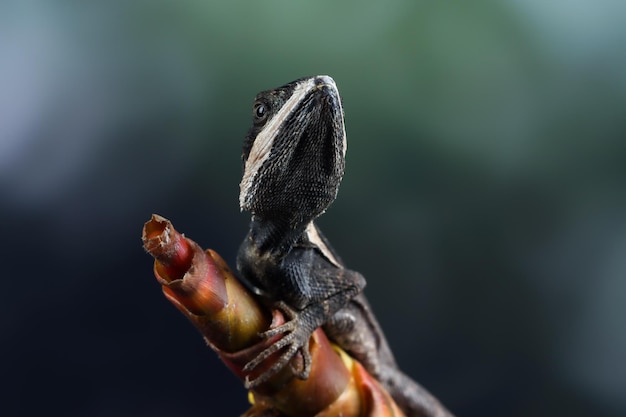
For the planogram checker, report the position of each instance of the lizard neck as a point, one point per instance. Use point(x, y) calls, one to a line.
point(275, 236)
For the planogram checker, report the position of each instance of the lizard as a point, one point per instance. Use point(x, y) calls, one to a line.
point(294, 161)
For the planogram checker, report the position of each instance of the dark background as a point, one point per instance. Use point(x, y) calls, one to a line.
point(484, 197)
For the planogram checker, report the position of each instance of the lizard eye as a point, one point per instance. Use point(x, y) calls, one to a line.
point(259, 111)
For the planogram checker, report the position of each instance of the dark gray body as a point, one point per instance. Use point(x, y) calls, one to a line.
point(294, 159)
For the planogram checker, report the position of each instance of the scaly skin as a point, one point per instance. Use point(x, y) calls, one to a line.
point(294, 158)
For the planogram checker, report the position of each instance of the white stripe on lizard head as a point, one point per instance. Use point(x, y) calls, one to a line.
point(262, 145)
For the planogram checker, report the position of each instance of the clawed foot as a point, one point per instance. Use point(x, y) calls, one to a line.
point(296, 338)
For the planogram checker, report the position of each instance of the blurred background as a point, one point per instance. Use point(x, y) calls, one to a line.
point(484, 198)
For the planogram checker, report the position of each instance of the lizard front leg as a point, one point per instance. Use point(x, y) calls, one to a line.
point(296, 333)
point(298, 329)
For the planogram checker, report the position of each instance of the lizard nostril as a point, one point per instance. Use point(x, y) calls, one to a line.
point(324, 79)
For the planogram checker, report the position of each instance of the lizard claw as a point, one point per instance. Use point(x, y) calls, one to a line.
point(296, 338)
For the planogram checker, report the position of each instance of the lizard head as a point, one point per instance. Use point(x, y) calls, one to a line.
point(294, 153)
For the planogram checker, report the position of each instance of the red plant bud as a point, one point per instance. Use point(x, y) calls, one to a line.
point(203, 288)
point(167, 246)
point(230, 318)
